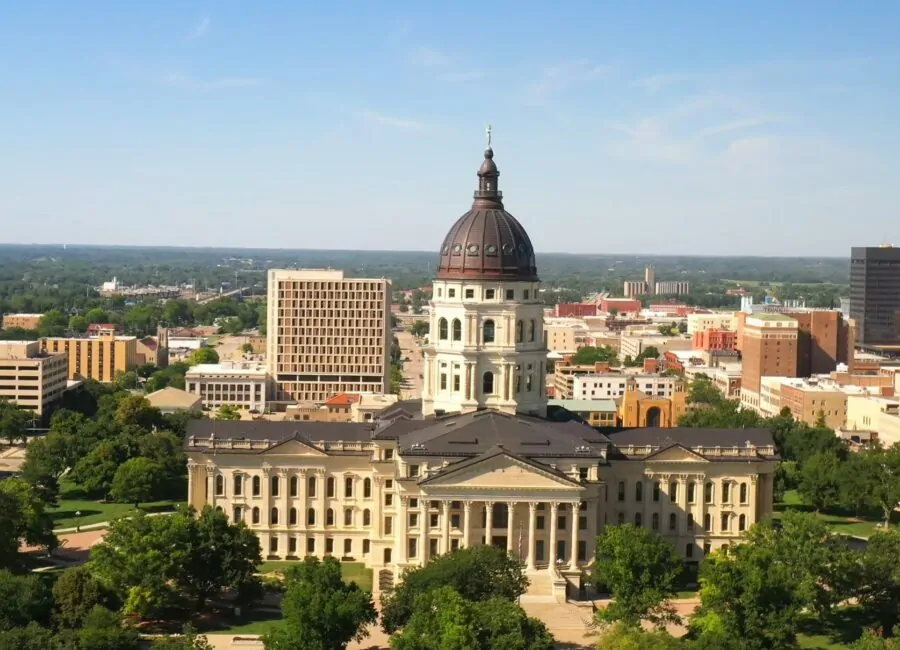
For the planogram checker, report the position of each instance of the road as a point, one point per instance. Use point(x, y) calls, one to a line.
point(412, 369)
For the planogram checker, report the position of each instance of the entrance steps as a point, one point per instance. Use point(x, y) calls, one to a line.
point(540, 588)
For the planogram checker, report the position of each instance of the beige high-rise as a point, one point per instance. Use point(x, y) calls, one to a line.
point(30, 378)
point(327, 334)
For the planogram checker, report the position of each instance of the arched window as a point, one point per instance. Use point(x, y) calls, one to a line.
point(742, 523)
point(673, 521)
point(638, 519)
point(311, 486)
point(487, 383)
point(639, 491)
point(531, 330)
point(367, 488)
point(257, 486)
point(707, 523)
point(708, 492)
point(329, 487)
point(311, 517)
point(673, 491)
point(254, 516)
point(726, 492)
point(275, 485)
point(238, 485)
point(220, 485)
point(442, 329)
point(620, 518)
point(692, 489)
point(518, 331)
point(655, 521)
point(292, 517)
point(348, 487)
point(656, 490)
point(488, 331)
point(294, 486)
point(219, 509)
point(457, 330)
point(273, 516)
point(743, 493)
point(367, 517)
point(329, 517)
point(348, 517)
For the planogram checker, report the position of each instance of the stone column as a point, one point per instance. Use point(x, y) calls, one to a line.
point(426, 376)
point(378, 507)
point(321, 501)
point(467, 523)
point(505, 380)
point(266, 496)
point(209, 478)
point(752, 487)
point(400, 531)
point(423, 530)
point(510, 527)
point(573, 562)
point(553, 516)
point(532, 534)
point(445, 523)
point(488, 521)
point(683, 504)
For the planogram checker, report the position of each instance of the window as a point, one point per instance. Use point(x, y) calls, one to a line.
point(470, 293)
point(518, 331)
point(273, 544)
point(488, 331)
point(442, 329)
point(292, 545)
point(726, 492)
point(329, 487)
point(365, 547)
point(638, 519)
point(275, 485)
point(257, 486)
point(456, 384)
point(673, 521)
point(457, 330)
point(708, 492)
point(443, 381)
point(530, 329)
point(388, 525)
point(451, 293)
point(621, 495)
point(638, 491)
point(489, 294)
point(742, 523)
point(311, 545)
point(348, 517)
point(311, 486)
point(238, 485)
point(348, 546)
point(690, 521)
point(220, 485)
point(688, 550)
point(273, 516)
point(656, 491)
point(691, 492)
point(434, 520)
point(743, 493)
point(367, 517)
point(389, 499)
point(348, 487)
point(293, 486)
point(707, 548)
point(254, 516)
point(311, 517)
point(236, 514)
point(412, 548)
point(487, 383)
point(292, 517)
point(413, 471)
point(673, 491)
point(707, 523)
point(510, 294)
point(329, 545)
point(329, 517)
point(655, 521)
point(367, 488)
point(726, 520)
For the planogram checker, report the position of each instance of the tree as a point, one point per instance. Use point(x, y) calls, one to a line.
point(136, 410)
point(857, 483)
point(396, 379)
point(22, 516)
point(126, 380)
point(96, 315)
point(228, 412)
point(702, 390)
point(96, 471)
point(30, 637)
point(52, 323)
point(589, 355)
point(137, 481)
point(641, 570)
point(164, 448)
point(871, 641)
point(476, 573)
point(246, 348)
point(75, 594)
point(203, 355)
point(321, 612)
point(879, 590)
point(626, 637)
point(419, 328)
point(884, 466)
point(78, 324)
point(13, 422)
point(189, 640)
point(23, 599)
point(104, 630)
point(820, 481)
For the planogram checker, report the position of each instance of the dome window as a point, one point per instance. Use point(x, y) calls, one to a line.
point(457, 249)
point(490, 250)
point(472, 249)
point(508, 248)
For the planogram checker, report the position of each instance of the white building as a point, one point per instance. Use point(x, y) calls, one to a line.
point(706, 322)
point(612, 385)
point(241, 384)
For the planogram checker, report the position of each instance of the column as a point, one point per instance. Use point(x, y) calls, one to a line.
point(700, 495)
point(505, 377)
point(378, 508)
point(426, 375)
point(209, 478)
point(400, 532)
point(467, 523)
point(284, 519)
point(488, 521)
point(510, 528)
point(445, 523)
point(320, 514)
point(552, 555)
point(752, 487)
point(573, 562)
point(532, 532)
point(423, 530)
point(683, 506)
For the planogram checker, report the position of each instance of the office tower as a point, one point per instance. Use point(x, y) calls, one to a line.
point(99, 357)
point(29, 378)
point(769, 350)
point(327, 334)
point(650, 278)
point(875, 295)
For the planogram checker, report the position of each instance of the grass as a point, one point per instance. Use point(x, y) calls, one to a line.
point(846, 627)
point(350, 571)
point(93, 510)
point(840, 521)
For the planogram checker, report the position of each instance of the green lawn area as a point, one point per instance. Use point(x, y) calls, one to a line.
point(74, 499)
point(350, 571)
point(838, 520)
point(838, 634)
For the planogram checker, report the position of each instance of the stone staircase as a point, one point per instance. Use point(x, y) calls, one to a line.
point(540, 588)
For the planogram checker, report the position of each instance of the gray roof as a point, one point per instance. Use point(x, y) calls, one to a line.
point(274, 432)
point(690, 437)
point(492, 453)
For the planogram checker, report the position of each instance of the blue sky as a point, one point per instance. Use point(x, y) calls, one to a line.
point(710, 128)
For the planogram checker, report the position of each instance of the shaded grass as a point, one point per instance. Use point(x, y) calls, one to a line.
point(350, 571)
point(73, 498)
point(839, 520)
point(840, 632)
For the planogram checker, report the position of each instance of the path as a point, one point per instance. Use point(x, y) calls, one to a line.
point(412, 369)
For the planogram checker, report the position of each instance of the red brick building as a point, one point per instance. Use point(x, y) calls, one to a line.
point(715, 340)
point(575, 310)
point(621, 305)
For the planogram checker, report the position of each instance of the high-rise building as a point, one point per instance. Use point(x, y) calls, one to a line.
point(30, 378)
point(487, 343)
point(650, 277)
point(824, 340)
point(875, 294)
point(769, 349)
point(327, 334)
point(99, 357)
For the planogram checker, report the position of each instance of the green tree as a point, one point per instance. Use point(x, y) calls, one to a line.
point(396, 379)
point(177, 312)
point(13, 422)
point(78, 324)
point(641, 570)
point(75, 594)
point(246, 348)
point(203, 355)
point(96, 471)
point(321, 612)
point(23, 599)
point(30, 637)
point(96, 315)
point(164, 448)
point(228, 412)
point(104, 630)
point(627, 637)
point(137, 480)
point(702, 390)
point(820, 481)
point(857, 483)
point(589, 355)
point(884, 466)
point(22, 517)
point(126, 380)
point(476, 573)
point(870, 640)
point(879, 590)
point(136, 410)
point(52, 323)
point(419, 328)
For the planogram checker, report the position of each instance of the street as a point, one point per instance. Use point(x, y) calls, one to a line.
point(412, 368)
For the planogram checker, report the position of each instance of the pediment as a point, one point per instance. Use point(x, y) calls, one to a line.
point(502, 471)
point(293, 448)
point(676, 454)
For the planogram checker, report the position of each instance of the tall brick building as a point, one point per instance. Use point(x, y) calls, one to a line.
point(769, 349)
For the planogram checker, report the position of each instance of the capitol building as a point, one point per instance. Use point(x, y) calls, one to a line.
point(476, 461)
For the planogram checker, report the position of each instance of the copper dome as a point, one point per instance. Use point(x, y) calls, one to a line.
point(487, 242)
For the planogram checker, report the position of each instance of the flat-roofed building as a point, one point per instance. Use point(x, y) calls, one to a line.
point(22, 321)
point(327, 334)
point(240, 383)
point(714, 321)
point(595, 412)
point(613, 385)
point(878, 415)
point(30, 378)
point(99, 357)
point(769, 350)
point(174, 400)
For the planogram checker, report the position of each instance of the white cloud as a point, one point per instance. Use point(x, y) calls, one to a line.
point(655, 83)
point(557, 78)
point(179, 80)
point(392, 121)
point(737, 125)
point(202, 28)
point(429, 58)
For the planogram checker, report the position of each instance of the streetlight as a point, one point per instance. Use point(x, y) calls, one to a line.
point(78, 521)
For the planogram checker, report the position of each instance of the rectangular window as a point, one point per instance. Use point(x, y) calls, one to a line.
point(388, 525)
point(365, 547)
point(451, 293)
point(238, 485)
point(454, 521)
point(432, 547)
point(329, 545)
point(525, 294)
point(412, 547)
point(388, 499)
point(292, 545)
point(582, 523)
point(489, 294)
point(510, 294)
point(621, 492)
point(348, 546)
point(413, 472)
point(456, 383)
point(454, 544)
point(539, 522)
point(413, 519)
point(433, 522)
point(561, 522)
point(273, 544)
point(470, 293)
point(310, 545)
point(443, 381)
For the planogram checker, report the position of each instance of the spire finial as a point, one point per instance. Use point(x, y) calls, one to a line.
point(487, 132)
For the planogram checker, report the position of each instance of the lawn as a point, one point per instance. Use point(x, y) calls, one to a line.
point(74, 499)
point(838, 520)
point(350, 571)
point(838, 634)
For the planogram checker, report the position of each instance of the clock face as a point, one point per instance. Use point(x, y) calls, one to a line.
point(473, 249)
